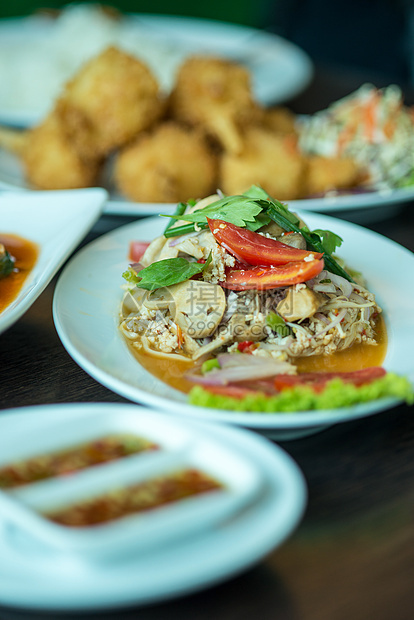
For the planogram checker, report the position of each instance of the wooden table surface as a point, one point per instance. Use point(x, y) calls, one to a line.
point(352, 556)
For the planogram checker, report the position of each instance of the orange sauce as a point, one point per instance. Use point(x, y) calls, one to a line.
point(355, 358)
point(25, 253)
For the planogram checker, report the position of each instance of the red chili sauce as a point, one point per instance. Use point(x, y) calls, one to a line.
point(65, 462)
point(134, 499)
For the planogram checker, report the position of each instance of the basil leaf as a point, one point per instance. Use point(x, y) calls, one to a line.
point(165, 273)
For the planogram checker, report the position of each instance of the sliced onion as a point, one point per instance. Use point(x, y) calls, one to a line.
point(358, 298)
point(321, 317)
point(333, 323)
point(136, 267)
point(176, 240)
point(241, 367)
point(343, 284)
point(325, 287)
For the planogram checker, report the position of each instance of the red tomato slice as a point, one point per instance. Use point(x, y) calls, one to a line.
point(318, 380)
point(137, 249)
point(253, 248)
point(264, 278)
point(234, 391)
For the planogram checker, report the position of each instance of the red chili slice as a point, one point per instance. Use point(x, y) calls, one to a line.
point(264, 278)
point(318, 380)
point(253, 248)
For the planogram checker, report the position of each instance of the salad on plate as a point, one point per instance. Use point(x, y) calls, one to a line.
point(244, 307)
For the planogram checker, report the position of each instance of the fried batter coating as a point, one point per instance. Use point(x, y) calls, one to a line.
point(268, 160)
point(110, 100)
point(329, 173)
point(279, 120)
point(170, 164)
point(52, 162)
point(214, 94)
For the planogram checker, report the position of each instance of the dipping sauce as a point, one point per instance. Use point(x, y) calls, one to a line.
point(25, 253)
point(102, 450)
point(137, 498)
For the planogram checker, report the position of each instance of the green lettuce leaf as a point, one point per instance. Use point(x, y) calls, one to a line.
point(337, 394)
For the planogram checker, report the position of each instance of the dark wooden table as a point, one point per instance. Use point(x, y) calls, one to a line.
point(352, 557)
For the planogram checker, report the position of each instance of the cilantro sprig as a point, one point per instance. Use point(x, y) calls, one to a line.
point(254, 209)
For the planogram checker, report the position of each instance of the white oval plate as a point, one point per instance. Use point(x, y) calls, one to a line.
point(279, 68)
point(57, 222)
point(88, 296)
point(28, 569)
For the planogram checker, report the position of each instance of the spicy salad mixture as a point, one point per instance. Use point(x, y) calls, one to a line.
point(241, 289)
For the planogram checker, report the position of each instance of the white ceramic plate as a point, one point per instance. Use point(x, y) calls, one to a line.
point(57, 222)
point(279, 68)
point(88, 295)
point(28, 569)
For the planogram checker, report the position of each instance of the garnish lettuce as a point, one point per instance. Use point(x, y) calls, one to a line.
point(336, 394)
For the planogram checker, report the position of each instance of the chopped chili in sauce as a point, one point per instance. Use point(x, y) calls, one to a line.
point(68, 461)
point(137, 498)
point(24, 253)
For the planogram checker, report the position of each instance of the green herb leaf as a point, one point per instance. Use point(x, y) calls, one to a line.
point(6, 264)
point(277, 324)
point(330, 240)
point(165, 273)
point(279, 214)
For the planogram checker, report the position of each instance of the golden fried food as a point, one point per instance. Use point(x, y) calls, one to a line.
point(279, 120)
point(170, 164)
point(214, 94)
point(52, 162)
point(268, 160)
point(328, 173)
point(109, 101)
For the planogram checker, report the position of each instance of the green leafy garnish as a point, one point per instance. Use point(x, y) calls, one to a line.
point(336, 394)
point(6, 264)
point(165, 273)
point(209, 365)
point(277, 324)
point(179, 210)
point(314, 241)
point(242, 211)
point(330, 240)
point(254, 209)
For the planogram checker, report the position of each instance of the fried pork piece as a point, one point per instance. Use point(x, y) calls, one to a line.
point(268, 160)
point(214, 94)
point(170, 164)
point(328, 173)
point(110, 100)
point(279, 120)
point(52, 162)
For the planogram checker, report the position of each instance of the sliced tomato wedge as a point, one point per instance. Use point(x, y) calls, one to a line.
point(254, 249)
point(234, 391)
point(318, 380)
point(264, 278)
point(137, 249)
